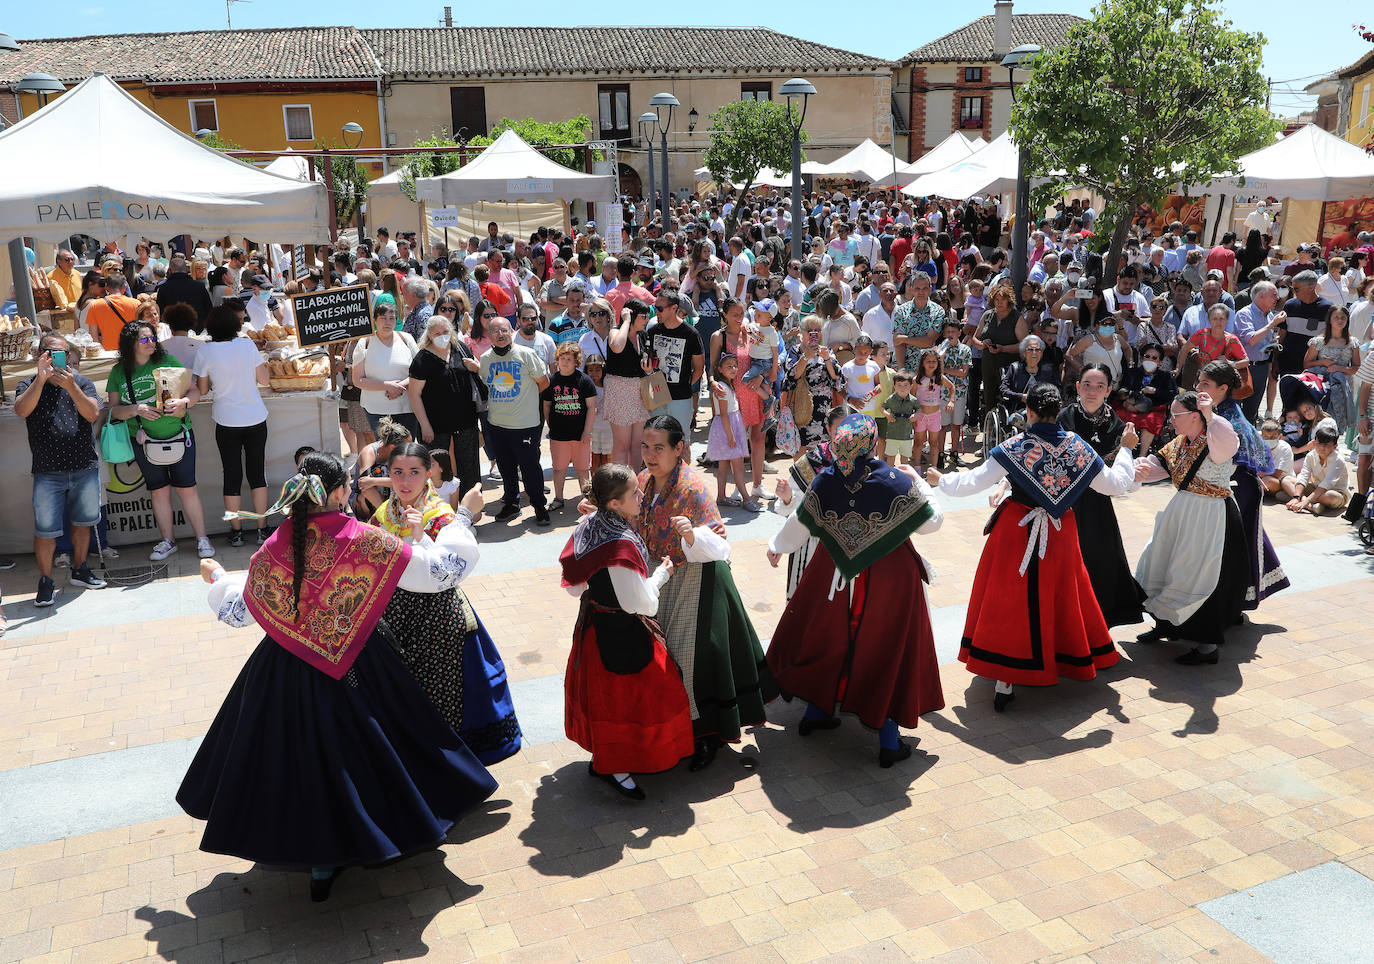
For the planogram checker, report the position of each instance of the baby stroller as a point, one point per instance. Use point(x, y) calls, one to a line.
point(1365, 527)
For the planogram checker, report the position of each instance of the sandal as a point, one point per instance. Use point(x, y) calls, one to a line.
point(556, 505)
point(751, 506)
point(732, 501)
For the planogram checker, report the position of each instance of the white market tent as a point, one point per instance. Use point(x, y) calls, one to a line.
point(510, 170)
point(951, 150)
point(292, 166)
point(1308, 165)
point(867, 162)
point(765, 178)
point(387, 206)
point(129, 172)
point(991, 170)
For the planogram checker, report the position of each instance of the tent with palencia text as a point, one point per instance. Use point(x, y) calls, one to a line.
point(95, 161)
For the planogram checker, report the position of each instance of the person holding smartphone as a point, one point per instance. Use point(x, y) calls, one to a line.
point(812, 369)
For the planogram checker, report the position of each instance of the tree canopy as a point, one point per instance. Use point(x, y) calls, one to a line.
point(1144, 97)
point(746, 137)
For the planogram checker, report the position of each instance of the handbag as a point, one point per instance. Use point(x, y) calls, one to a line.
point(1246, 388)
point(653, 390)
point(787, 437)
point(115, 444)
point(168, 451)
point(803, 405)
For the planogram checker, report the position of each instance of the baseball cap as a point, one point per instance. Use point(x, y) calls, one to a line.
point(258, 281)
point(591, 224)
point(765, 304)
point(646, 261)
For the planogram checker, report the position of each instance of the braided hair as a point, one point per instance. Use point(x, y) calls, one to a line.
point(330, 471)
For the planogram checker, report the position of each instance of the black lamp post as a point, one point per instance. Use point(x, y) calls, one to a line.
point(663, 105)
point(647, 121)
point(1019, 57)
point(794, 90)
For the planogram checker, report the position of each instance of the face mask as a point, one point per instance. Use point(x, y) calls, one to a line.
point(441, 341)
point(1148, 365)
point(262, 297)
point(1074, 276)
point(1106, 330)
point(501, 351)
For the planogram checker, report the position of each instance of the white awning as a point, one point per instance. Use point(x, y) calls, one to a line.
point(1308, 165)
point(510, 170)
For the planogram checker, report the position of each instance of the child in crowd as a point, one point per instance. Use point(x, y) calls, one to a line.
point(441, 475)
point(882, 354)
point(570, 411)
point(956, 359)
point(931, 387)
point(1292, 427)
point(763, 351)
point(1272, 433)
point(861, 378)
point(975, 304)
point(901, 410)
point(301, 453)
point(1324, 481)
point(602, 439)
point(727, 443)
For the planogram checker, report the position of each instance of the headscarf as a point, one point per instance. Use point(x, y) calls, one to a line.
point(1252, 451)
point(293, 489)
point(851, 443)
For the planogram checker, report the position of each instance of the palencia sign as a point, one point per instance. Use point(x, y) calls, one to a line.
point(71, 209)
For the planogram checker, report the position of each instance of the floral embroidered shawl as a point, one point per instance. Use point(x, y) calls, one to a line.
point(686, 493)
point(351, 569)
point(1052, 466)
point(600, 541)
point(437, 513)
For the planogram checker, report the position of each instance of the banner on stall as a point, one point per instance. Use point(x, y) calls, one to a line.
point(333, 315)
point(615, 222)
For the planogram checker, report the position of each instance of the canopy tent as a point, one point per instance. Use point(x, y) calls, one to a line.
point(765, 178)
point(1308, 165)
point(289, 165)
point(867, 162)
point(951, 150)
point(510, 170)
point(129, 172)
point(991, 170)
point(388, 206)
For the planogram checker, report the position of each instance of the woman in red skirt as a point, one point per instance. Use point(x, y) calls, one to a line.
point(1032, 615)
point(856, 634)
point(624, 701)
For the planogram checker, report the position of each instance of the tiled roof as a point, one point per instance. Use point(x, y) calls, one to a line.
point(545, 50)
point(298, 53)
point(973, 42)
point(1361, 66)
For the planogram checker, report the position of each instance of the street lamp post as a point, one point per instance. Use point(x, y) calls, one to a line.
point(1019, 57)
point(353, 138)
point(795, 89)
point(647, 122)
point(40, 85)
point(664, 103)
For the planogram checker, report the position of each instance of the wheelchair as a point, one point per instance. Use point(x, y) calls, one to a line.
point(999, 424)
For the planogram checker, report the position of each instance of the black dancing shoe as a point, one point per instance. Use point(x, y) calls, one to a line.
point(807, 727)
point(1196, 657)
point(321, 886)
point(888, 757)
point(633, 791)
point(1000, 701)
point(705, 753)
point(1155, 635)
point(508, 511)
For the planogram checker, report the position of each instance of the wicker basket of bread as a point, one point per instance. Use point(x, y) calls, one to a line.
point(308, 373)
point(16, 338)
point(272, 336)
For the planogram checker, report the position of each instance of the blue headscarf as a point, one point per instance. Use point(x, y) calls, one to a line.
point(1252, 451)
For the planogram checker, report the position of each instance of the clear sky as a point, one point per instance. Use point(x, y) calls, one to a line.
point(1306, 40)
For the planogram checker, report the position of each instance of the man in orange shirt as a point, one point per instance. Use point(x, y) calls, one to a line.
point(65, 280)
point(109, 309)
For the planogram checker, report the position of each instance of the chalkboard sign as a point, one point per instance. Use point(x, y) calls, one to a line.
point(333, 315)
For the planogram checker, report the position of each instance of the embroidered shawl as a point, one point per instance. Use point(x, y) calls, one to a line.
point(859, 507)
point(1052, 466)
point(686, 493)
point(600, 541)
point(1179, 456)
point(437, 513)
point(351, 569)
point(1252, 451)
point(807, 464)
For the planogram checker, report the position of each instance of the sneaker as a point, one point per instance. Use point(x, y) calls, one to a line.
point(204, 548)
point(162, 550)
point(494, 474)
point(263, 536)
point(82, 576)
point(46, 590)
point(235, 538)
point(7, 563)
point(541, 517)
point(508, 511)
point(109, 552)
point(62, 560)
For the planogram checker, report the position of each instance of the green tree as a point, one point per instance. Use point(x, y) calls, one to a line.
point(746, 137)
point(350, 186)
point(1145, 96)
point(429, 165)
point(219, 143)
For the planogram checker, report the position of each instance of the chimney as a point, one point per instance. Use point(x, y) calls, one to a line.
point(448, 16)
point(1001, 27)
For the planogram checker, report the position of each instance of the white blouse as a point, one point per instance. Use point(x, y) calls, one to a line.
point(434, 566)
point(635, 593)
point(1115, 479)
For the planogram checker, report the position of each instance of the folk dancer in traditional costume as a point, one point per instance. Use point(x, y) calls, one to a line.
point(705, 625)
point(442, 638)
point(326, 752)
point(1195, 568)
point(1219, 379)
point(801, 475)
point(857, 636)
point(1099, 535)
point(1032, 615)
point(623, 697)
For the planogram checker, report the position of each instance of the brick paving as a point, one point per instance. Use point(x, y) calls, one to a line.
point(1085, 824)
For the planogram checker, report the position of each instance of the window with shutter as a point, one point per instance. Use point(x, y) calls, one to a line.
point(300, 125)
point(204, 116)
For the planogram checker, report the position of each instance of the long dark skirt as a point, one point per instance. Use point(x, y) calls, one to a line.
point(1099, 539)
point(1266, 575)
point(1222, 609)
point(300, 770)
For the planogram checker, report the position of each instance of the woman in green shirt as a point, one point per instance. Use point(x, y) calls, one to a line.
point(139, 355)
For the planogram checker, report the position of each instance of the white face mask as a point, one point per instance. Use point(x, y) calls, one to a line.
point(1073, 277)
point(1148, 365)
point(262, 296)
point(440, 341)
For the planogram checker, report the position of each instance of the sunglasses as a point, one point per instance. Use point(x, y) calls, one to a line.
point(147, 340)
point(447, 309)
point(489, 314)
point(598, 314)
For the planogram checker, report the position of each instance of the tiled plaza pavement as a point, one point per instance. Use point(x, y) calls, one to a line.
point(1085, 824)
